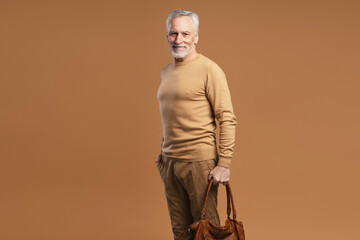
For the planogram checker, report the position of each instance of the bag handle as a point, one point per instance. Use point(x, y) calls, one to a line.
point(230, 201)
point(230, 197)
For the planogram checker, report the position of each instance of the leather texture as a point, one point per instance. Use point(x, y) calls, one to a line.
point(206, 230)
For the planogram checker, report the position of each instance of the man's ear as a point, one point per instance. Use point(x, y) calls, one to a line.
point(167, 38)
point(196, 38)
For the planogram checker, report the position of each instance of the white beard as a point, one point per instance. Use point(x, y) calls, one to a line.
point(183, 54)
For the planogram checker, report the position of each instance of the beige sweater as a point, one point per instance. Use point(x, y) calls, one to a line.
point(191, 95)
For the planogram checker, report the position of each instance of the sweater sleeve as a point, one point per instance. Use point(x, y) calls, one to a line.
point(218, 94)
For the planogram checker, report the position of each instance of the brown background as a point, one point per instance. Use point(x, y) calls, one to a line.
point(80, 123)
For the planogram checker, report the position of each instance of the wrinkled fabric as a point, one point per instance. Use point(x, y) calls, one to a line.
point(185, 189)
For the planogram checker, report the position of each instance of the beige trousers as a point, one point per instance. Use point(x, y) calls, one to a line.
point(185, 188)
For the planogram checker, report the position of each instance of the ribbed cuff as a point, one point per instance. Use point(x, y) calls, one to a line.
point(224, 162)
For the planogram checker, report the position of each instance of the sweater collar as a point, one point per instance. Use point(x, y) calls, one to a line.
point(187, 62)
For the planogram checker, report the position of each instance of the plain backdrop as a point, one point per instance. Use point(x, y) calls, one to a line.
point(80, 126)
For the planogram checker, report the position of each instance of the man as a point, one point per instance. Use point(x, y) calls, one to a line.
point(193, 92)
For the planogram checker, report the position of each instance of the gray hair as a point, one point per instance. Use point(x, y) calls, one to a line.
point(179, 12)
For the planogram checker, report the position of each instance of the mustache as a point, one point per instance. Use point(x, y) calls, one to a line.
point(177, 45)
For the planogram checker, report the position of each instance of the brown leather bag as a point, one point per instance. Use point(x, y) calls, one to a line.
point(204, 229)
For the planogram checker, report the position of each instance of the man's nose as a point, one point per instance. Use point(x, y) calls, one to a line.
point(178, 39)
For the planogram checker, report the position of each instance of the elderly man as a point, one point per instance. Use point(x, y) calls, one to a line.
point(193, 92)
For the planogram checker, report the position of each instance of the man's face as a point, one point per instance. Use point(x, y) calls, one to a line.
point(182, 37)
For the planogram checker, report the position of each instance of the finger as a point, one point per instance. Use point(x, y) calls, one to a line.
point(158, 158)
point(216, 180)
point(225, 183)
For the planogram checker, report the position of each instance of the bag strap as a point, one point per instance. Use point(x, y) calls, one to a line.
point(230, 196)
point(230, 201)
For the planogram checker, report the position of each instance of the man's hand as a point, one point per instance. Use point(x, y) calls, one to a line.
point(158, 159)
point(220, 175)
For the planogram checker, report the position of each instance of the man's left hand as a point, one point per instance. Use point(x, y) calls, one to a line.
point(220, 175)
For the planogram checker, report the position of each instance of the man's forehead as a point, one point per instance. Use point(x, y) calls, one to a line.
point(182, 23)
